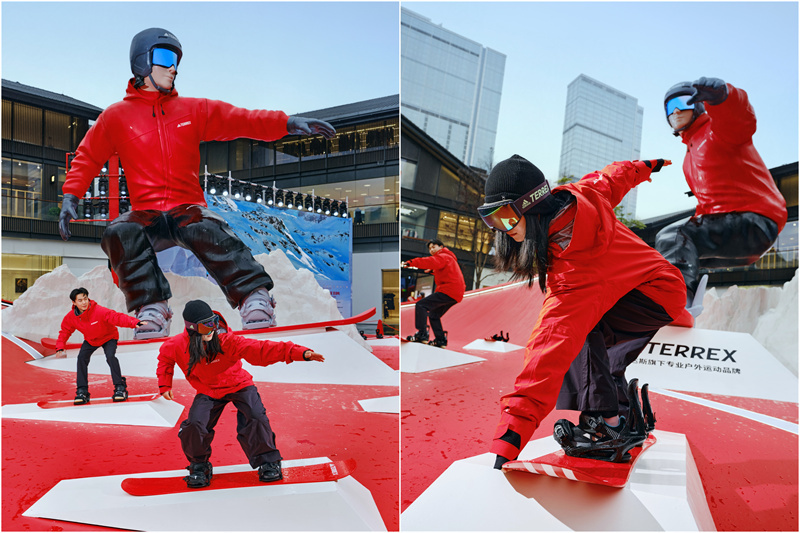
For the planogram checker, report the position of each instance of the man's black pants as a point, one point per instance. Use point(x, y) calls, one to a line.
point(431, 308)
point(715, 241)
point(85, 354)
point(132, 240)
point(596, 379)
point(255, 434)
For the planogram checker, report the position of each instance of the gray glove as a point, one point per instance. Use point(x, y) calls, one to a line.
point(68, 212)
point(711, 90)
point(309, 126)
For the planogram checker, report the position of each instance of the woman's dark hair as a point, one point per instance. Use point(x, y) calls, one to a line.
point(200, 350)
point(528, 258)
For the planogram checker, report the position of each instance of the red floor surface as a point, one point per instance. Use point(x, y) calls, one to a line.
point(749, 470)
point(309, 420)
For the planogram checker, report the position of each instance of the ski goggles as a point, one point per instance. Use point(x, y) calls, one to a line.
point(164, 57)
point(506, 214)
point(205, 326)
point(679, 102)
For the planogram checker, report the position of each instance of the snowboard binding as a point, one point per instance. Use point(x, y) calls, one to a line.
point(592, 438)
point(439, 342)
point(419, 336)
point(199, 475)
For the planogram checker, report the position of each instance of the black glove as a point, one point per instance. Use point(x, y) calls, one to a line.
point(655, 164)
point(711, 90)
point(68, 212)
point(309, 126)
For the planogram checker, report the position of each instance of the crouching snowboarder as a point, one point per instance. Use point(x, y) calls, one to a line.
point(607, 294)
point(210, 358)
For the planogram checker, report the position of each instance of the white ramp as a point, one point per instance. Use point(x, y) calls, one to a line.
point(715, 362)
point(346, 361)
point(389, 404)
point(416, 357)
point(343, 505)
point(664, 493)
point(157, 413)
point(493, 346)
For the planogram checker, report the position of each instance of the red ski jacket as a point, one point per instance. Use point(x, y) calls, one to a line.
point(98, 325)
point(446, 273)
point(224, 374)
point(595, 261)
point(157, 137)
point(723, 168)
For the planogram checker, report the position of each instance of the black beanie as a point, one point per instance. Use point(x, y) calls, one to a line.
point(197, 310)
point(512, 178)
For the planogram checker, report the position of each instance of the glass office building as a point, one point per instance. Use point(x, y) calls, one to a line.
point(601, 125)
point(451, 88)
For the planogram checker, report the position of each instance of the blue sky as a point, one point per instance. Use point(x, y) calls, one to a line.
point(292, 56)
point(640, 48)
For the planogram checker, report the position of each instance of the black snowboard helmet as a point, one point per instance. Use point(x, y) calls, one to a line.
point(681, 89)
point(141, 54)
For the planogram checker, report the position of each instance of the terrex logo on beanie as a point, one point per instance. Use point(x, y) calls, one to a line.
point(512, 178)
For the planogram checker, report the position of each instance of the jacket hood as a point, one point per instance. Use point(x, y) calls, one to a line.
point(149, 97)
point(694, 127)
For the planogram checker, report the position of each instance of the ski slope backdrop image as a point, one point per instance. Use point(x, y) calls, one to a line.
point(319, 243)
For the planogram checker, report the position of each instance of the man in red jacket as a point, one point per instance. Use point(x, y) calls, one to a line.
point(740, 210)
point(99, 328)
point(210, 358)
point(449, 291)
point(157, 136)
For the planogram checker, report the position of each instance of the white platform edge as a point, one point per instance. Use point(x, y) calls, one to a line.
point(334, 505)
point(494, 346)
point(416, 357)
point(155, 413)
point(388, 404)
point(25, 346)
point(665, 493)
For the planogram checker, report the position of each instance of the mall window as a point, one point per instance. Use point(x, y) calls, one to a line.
point(7, 107)
point(408, 172)
point(57, 130)
point(22, 189)
point(412, 220)
point(27, 124)
point(21, 271)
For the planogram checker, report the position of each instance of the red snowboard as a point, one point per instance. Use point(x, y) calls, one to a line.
point(561, 465)
point(53, 404)
point(50, 343)
point(156, 486)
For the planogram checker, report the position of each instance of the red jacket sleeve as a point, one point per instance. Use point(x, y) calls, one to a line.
point(432, 262)
point(67, 329)
point(91, 155)
point(118, 319)
point(166, 367)
point(224, 122)
point(616, 179)
point(265, 353)
point(734, 120)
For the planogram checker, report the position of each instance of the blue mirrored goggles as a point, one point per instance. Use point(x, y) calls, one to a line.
point(164, 57)
point(679, 102)
point(203, 327)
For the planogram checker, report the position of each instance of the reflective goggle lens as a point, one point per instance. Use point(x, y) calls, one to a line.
point(503, 218)
point(204, 327)
point(679, 102)
point(164, 57)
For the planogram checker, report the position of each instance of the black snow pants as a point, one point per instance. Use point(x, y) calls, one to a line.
point(85, 354)
point(715, 241)
point(132, 240)
point(431, 308)
point(596, 379)
point(255, 434)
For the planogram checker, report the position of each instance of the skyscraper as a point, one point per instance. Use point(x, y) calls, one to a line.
point(601, 125)
point(451, 88)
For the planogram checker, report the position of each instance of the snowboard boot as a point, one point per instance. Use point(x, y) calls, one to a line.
point(158, 316)
point(419, 336)
point(647, 410)
point(258, 310)
point(199, 475)
point(270, 472)
point(439, 342)
point(120, 391)
point(82, 396)
point(592, 438)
